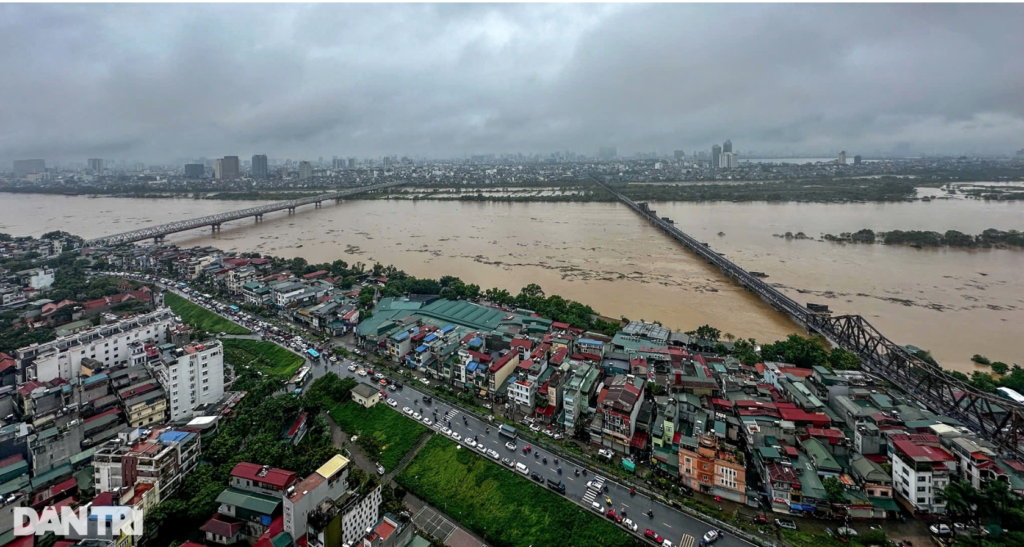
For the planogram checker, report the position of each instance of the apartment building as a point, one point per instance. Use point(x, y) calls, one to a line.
point(162, 456)
point(109, 344)
point(713, 469)
point(921, 468)
point(618, 404)
point(192, 376)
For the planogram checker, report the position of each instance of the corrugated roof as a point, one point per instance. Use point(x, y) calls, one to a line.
point(257, 503)
point(333, 466)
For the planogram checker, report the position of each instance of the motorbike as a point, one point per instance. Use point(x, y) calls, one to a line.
point(536, 455)
point(577, 472)
point(608, 501)
point(556, 461)
point(559, 470)
point(545, 460)
point(650, 514)
point(584, 472)
point(488, 431)
point(632, 491)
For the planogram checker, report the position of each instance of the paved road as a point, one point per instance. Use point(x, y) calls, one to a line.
point(679, 528)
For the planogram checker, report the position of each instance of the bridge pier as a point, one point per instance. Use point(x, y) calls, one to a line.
point(337, 200)
point(158, 239)
point(215, 227)
point(291, 210)
point(317, 204)
point(258, 217)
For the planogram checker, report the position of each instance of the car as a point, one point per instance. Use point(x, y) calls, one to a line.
point(508, 462)
point(492, 453)
point(392, 387)
point(427, 421)
point(687, 491)
point(596, 507)
point(605, 453)
point(939, 529)
point(653, 536)
point(352, 368)
point(446, 431)
point(711, 536)
point(424, 381)
point(548, 433)
point(427, 399)
point(407, 410)
point(416, 415)
point(380, 469)
point(470, 443)
point(510, 446)
point(557, 437)
point(536, 476)
point(849, 532)
point(362, 373)
point(482, 449)
point(392, 403)
point(785, 523)
point(456, 436)
point(666, 543)
point(535, 428)
point(630, 525)
point(611, 514)
point(760, 519)
point(223, 334)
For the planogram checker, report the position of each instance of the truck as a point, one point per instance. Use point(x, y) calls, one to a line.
point(557, 486)
point(508, 432)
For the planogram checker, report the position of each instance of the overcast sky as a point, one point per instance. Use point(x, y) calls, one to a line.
point(160, 82)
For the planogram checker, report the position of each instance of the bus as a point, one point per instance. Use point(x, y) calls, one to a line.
point(313, 353)
point(508, 431)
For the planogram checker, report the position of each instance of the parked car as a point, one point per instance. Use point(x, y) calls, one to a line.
point(939, 529)
point(711, 536)
point(785, 523)
point(407, 410)
point(536, 476)
point(596, 507)
point(653, 536)
point(630, 525)
point(508, 462)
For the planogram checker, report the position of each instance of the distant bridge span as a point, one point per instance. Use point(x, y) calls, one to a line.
point(997, 419)
point(158, 233)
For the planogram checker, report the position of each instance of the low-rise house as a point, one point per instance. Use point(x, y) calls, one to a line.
point(365, 395)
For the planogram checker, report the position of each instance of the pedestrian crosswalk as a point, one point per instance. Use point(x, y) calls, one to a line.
point(686, 541)
point(594, 488)
point(451, 414)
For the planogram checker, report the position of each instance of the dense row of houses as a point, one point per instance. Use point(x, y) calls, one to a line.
point(765, 435)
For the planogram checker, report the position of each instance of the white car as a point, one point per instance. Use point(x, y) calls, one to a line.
point(416, 415)
point(630, 525)
point(407, 410)
point(492, 453)
point(380, 469)
point(558, 436)
point(470, 443)
point(535, 428)
point(666, 543)
point(605, 453)
point(392, 403)
point(424, 381)
point(939, 529)
point(596, 507)
point(352, 368)
point(362, 373)
point(427, 421)
point(481, 448)
point(510, 446)
point(456, 436)
point(446, 431)
point(711, 536)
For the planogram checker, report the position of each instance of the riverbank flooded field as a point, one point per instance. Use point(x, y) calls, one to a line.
point(953, 302)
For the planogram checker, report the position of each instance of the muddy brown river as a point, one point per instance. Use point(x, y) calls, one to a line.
point(954, 303)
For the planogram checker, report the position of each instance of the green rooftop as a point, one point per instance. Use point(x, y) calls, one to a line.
point(255, 503)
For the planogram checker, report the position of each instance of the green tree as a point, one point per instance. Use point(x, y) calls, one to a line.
point(981, 359)
point(841, 359)
point(961, 499)
point(795, 349)
point(1000, 367)
point(834, 490)
point(709, 333)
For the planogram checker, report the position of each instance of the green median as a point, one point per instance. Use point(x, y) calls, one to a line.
point(200, 317)
point(506, 509)
point(266, 357)
point(384, 435)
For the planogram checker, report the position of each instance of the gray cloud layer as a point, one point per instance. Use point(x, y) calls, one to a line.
point(159, 82)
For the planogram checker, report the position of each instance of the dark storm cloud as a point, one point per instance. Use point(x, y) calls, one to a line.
point(159, 82)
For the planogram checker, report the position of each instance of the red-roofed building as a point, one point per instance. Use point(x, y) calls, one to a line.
point(802, 418)
point(522, 346)
point(262, 479)
point(223, 529)
point(920, 462)
point(618, 404)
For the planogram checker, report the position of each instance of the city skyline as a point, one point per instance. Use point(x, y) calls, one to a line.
point(509, 78)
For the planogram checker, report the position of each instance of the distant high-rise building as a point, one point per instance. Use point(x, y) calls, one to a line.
point(218, 168)
point(607, 152)
point(857, 159)
point(716, 156)
point(229, 168)
point(729, 160)
point(679, 154)
point(386, 161)
point(259, 166)
point(305, 170)
point(194, 170)
point(23, 168)
point(727, 146)
point(351, 163)
point(95, 165)
point(842, 158)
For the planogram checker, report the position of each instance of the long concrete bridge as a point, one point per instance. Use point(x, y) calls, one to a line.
point(158, 233)
point(995, 418)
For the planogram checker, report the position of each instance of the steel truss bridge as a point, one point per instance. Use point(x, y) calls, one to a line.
point(997, 419)
point(158, 233)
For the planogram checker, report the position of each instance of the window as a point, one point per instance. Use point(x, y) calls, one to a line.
point(920, 500)
point(920, 479)
point(921, 489)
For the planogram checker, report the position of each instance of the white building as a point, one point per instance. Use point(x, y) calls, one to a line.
point(109, 344)
point(921, 468)
point(192, 376)
point(38, 278)
point(523, 392)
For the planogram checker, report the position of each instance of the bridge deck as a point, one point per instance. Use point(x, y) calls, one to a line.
point(220, 218)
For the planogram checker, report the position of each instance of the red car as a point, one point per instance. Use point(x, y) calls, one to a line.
point(651, 535)
point(611, 514)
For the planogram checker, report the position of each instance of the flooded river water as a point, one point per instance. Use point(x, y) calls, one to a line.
point(954, 303)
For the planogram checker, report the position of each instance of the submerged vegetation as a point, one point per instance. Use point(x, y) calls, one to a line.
point(990, 238)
